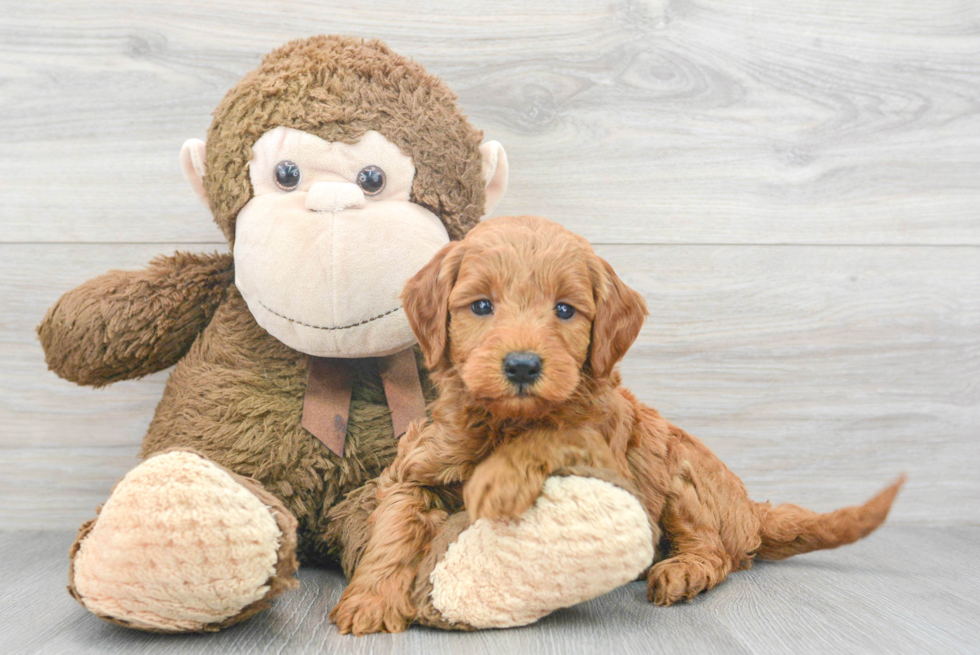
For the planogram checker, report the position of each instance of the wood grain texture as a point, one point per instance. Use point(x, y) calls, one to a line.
point(904, 590)
point(687, 121)
point(793, 187)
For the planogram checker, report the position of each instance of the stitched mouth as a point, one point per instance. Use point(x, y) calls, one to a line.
point(335, 210)
point(330, 327)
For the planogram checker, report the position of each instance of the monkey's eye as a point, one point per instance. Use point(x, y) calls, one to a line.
point(287, 175)
point(371, 179)
point(564, 311)
point(482, 307)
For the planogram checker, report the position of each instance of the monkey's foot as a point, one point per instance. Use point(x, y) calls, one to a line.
point(583, 537)
point(183, 545)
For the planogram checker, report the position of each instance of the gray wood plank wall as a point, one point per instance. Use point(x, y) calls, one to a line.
point(794, 187)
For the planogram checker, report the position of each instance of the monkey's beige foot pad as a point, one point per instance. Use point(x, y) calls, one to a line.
point(182, 545)
point(582, 538)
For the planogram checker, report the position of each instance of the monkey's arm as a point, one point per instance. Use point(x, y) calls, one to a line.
point(127, 324)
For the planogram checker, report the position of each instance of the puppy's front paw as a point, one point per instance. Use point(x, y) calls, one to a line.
point(364, 611)
point(498, 490)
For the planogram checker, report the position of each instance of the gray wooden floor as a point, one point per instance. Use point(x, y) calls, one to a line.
point(904, 590)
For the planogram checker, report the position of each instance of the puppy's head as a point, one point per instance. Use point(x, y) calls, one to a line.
point(521, 310)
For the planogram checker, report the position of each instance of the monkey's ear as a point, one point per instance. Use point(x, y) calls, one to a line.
point(619, 315)
point(494, 174)
point(426, 301)
point(192, 163)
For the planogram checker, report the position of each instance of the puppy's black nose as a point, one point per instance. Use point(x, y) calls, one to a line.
point(522, 368)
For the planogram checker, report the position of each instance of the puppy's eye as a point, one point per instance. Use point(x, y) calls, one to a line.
point(564, 311)
point(482, 307)
point(371, 179)
point(287, 175)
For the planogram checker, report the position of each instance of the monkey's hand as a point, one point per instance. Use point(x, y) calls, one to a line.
point(125, 325)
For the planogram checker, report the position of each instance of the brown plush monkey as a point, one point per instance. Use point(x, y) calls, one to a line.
point(336, 170)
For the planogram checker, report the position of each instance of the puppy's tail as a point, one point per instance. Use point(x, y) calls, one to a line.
point(789, 530)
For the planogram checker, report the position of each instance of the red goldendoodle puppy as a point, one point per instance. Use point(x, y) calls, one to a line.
point(522, 325)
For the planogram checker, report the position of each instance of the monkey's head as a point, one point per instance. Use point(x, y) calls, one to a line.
point(336, 170)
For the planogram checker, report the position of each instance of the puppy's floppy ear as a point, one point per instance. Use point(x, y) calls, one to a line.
point(619, 315)
point(426, 301)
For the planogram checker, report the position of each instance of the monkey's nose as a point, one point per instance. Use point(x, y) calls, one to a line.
point(334, 197)
point(522, 368)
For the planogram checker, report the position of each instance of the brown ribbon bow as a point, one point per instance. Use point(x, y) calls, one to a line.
point(328, 392)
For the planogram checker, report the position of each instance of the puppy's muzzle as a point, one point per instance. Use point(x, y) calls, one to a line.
point(522, 368)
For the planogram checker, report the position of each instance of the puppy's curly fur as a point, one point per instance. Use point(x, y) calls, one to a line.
point(491, 443)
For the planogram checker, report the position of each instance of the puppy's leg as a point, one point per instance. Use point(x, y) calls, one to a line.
point(378, 598)
point(698, 558)
point(507, 482)
point(405, 514)
point(712, 529)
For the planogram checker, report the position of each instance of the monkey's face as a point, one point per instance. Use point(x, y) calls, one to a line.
point(328, 240)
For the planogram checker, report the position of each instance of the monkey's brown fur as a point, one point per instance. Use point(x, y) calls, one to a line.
point(338, 89)
point(236, 394)
point(502, 444)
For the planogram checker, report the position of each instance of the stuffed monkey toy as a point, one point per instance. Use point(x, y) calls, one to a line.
point(336, 170)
